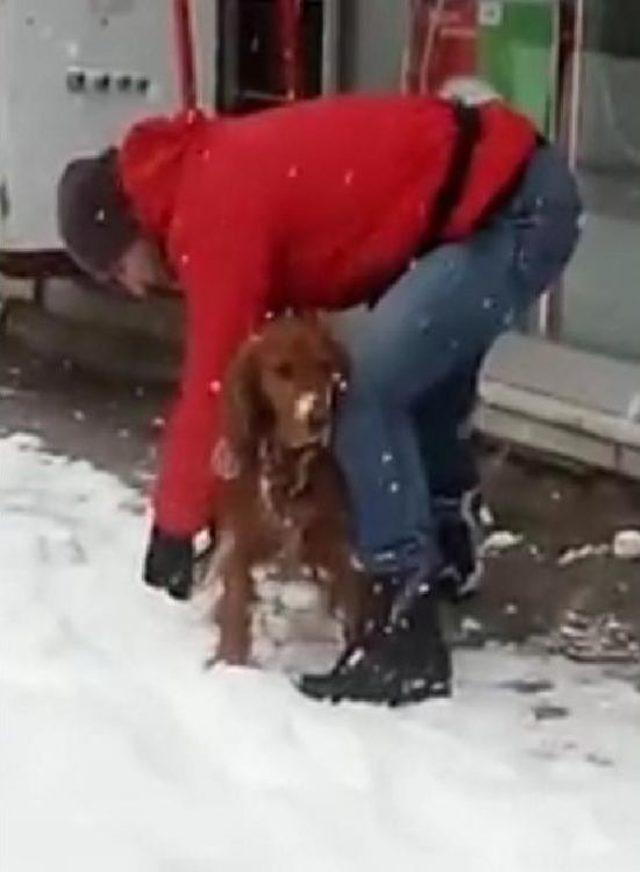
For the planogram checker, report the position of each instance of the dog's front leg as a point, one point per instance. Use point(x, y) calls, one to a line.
point(233, 612)
point(348, 590)
point(352, 594)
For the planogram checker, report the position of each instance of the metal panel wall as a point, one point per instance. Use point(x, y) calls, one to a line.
point(73, 75)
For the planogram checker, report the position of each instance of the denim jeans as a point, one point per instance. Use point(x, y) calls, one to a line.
point(416, 355)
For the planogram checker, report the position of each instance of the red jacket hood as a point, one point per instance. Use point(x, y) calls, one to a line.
point(151, 158)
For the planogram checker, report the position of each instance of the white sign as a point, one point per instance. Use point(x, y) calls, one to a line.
point(490, 13)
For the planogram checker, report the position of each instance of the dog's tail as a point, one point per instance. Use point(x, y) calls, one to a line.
point(469, 91)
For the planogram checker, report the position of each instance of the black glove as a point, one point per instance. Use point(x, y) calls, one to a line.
point(169, 563)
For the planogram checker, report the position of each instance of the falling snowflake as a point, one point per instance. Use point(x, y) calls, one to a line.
point(348, 177)
point(101, 216)
point(293, 172)
point(215, 387)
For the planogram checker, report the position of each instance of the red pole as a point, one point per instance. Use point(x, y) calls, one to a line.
point(434, 12)
point(185, 53)
point(417, 38)
point(291, 60)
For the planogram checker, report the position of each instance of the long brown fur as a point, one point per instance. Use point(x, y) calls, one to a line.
point(282, 498)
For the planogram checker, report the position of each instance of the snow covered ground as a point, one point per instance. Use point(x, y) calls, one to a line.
point(119, 752)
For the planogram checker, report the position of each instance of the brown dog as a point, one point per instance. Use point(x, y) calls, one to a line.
point(283, 500)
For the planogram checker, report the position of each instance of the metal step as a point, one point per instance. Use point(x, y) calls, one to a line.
point(565, 402)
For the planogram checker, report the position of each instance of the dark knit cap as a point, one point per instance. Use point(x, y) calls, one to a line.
point(94, 219)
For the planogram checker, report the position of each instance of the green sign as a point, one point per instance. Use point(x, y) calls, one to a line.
point(518, 54)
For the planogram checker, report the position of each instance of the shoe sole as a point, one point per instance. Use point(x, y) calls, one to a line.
point(394, 698)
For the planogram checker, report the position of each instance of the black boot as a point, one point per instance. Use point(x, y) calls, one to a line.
point(460, 532)
point(404, 660)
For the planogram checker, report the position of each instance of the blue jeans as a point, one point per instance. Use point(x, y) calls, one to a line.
point(416, 356)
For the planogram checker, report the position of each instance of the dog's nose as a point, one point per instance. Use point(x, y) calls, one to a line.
point(306, 404)
point(311, 411)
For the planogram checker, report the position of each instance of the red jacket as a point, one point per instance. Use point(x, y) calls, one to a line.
point(320, 204)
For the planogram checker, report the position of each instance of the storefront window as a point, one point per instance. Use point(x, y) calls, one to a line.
point(601, 307)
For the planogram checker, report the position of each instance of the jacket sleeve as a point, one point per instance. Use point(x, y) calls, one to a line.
point(226, 295)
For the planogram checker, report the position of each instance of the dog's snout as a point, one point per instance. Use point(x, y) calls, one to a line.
point(306, 404)
point(311, 410)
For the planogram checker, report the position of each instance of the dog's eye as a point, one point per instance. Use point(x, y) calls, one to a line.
point(283, 370)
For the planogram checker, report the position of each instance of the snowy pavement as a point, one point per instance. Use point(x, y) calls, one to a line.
point(119, 752)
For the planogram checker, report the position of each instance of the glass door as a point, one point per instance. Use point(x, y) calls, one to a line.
point(256, 45)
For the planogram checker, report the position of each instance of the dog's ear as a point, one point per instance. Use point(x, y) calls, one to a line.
point(243, 401)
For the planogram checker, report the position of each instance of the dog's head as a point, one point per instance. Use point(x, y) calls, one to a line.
point(282, 385)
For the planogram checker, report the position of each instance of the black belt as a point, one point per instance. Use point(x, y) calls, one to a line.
point(448, 197)
point(469, 129)
point(468, 126)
